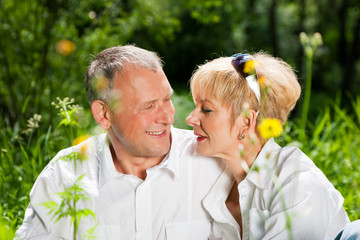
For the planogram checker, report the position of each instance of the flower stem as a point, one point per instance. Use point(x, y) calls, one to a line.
point(306, 103)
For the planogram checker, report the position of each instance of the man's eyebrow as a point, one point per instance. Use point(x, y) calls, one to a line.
point(154, 100)
point(171, 92)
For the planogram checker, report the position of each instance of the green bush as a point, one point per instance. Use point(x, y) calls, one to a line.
point(333, 142)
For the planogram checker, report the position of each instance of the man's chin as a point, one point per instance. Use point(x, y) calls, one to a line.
point(160, 152)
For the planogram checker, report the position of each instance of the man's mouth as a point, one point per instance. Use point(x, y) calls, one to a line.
point(156, 133)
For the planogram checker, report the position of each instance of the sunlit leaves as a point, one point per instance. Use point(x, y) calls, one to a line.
point(70, 197)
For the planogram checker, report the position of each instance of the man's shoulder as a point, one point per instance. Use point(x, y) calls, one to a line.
point(75, 161)
point(81, 151)
point(182, 133)
point(182, 138)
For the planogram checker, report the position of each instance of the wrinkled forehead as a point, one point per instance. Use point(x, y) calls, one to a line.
point(141, 82)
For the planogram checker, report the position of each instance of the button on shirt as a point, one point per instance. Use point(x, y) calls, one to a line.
point(283, 188)
point(166, 205)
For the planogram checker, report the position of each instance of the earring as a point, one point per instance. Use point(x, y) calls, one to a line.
point(241, 136)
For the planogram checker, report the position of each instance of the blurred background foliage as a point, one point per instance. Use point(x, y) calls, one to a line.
point(46, 46)
point(184, 32)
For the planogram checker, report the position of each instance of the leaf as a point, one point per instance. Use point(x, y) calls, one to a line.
point(49, 205)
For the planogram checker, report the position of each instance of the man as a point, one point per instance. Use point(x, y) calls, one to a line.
point(140, 180)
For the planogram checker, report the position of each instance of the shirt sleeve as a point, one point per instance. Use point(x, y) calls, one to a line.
point(305, 206)
point(38, 222)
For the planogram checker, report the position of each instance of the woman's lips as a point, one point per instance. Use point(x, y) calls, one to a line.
point(200, 137)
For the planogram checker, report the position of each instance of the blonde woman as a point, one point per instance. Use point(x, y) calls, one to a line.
point(266, 192)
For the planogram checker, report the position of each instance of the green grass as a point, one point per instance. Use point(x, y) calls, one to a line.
point(332, 142)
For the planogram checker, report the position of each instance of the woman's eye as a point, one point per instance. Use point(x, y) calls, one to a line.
point(207, 110)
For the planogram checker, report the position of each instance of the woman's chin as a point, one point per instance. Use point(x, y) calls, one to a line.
point(205, 152)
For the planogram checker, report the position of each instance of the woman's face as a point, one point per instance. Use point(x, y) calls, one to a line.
point(212, 126)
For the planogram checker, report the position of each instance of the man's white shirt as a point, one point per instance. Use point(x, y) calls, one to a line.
point(166, 205)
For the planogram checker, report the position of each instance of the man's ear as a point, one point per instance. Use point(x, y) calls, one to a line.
point(101, 113)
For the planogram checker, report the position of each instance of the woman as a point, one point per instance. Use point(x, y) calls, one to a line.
point(266, 192)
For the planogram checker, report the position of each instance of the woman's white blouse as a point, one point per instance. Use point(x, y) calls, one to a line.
point(284, 194)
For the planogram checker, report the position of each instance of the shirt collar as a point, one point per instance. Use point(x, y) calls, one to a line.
point(107, 169)
point(170, 161)
point(262, 171)
point(216, 197)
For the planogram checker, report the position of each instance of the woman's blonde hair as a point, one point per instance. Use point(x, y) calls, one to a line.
point(279, 87)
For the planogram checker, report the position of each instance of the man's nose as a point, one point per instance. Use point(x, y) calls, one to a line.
point(166, 115)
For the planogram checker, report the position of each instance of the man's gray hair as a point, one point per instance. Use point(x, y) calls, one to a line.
point(100, 75)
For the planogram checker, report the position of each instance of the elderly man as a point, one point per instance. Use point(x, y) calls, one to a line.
point(139, 180)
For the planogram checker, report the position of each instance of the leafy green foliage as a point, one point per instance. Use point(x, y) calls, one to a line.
point(185, 33)
point(68, 206)
point(332, 144)
point(6, 232)
point(24, 153)
point(183, 107)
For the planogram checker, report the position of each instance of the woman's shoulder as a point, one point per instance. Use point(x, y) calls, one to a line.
point(295, 167)
point(292, 159)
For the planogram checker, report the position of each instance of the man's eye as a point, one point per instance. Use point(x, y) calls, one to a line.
point(149, 106)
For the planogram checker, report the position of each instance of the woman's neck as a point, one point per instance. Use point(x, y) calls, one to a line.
point(232, 203)
point(236, 159)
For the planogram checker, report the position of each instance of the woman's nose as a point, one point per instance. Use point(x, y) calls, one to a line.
point(192, 120)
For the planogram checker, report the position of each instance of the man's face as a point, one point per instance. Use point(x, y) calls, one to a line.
point(141, 125)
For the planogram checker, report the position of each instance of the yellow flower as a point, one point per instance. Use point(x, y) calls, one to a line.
point(270, 127)
point(249, 67)
point(101, 83)
point(65, 47)
point(80, 139)
point(261, 81)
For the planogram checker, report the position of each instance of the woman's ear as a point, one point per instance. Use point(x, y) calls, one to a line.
point(245, 122)
point(252, 118)
point(101, 114)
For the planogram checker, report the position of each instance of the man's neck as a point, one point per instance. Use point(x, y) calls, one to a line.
point(136, 166)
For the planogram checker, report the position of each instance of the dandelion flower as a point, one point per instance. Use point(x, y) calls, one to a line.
point(65, 47)
point(249, 67)
point(83, 146)
point(261, 81)
point(101, 83)
point(80, 139)
point(270, 127)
